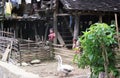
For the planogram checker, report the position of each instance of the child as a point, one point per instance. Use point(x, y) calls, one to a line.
point(51, 36)
point(76, 46)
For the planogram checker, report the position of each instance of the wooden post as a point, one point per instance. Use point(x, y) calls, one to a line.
point(3, 2)
point(51, 4)
point(100, 18)
point(20, 59)
point(76, 30)
point(21, 35)
point(46, 31)
point(55, 21)
point(35, 30)
point(16, 29)
point(14, 33)
point(117, 30)
point(76, 27)
point(2, 26)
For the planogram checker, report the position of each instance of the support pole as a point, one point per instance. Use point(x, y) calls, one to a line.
point(76, 27)
point(51, 4)
point(100, 18)
point(2, 26)
point(76, 30)
point(46, 31)
point(117, 29)
point(20, 59)
point(3, 3)
point(55, 22)
point(16, 27)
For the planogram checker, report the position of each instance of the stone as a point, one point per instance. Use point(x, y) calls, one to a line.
point(36, 61)
point(24, 64)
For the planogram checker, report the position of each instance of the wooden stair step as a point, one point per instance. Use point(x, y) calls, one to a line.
point(69, 45)
point(66, 34)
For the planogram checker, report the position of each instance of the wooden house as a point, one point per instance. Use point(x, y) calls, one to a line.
point(74, 16)
point(67, 17)
point(84, 13)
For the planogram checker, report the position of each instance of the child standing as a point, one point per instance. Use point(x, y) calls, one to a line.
point(51, 36)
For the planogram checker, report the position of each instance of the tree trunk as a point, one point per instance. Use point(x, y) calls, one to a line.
point(106, 62)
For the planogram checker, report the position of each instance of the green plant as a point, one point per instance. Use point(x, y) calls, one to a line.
point(97, 53)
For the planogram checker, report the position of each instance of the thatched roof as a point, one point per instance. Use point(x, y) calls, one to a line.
point(92, 5)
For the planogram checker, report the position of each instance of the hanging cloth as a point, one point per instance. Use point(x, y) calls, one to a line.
point(19, 1)
point(15, 3)
point(28, 1)
point(8, 8)
point(38, 0)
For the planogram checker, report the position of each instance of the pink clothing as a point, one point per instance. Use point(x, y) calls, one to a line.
point(51, 36)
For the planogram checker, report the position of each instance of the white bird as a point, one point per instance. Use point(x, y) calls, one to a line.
point(66, 69)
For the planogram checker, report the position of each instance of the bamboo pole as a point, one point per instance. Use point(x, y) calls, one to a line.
point(117, 29)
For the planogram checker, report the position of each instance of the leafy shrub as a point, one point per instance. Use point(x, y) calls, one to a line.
point(97, 52)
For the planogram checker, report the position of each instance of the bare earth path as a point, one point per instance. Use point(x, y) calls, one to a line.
point(48, 69)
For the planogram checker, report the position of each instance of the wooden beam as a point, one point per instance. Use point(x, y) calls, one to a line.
point(90, 13)
point(58, 45)
point(6, 53)
point(64, 14)
point(60, 39)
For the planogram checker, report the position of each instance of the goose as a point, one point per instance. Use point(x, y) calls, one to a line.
point(63, 68)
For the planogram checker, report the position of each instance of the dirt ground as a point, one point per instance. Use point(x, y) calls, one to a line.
point(48, 69)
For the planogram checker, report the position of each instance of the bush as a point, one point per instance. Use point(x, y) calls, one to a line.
point(97, 52)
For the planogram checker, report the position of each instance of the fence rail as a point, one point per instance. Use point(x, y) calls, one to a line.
point(8, 38)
